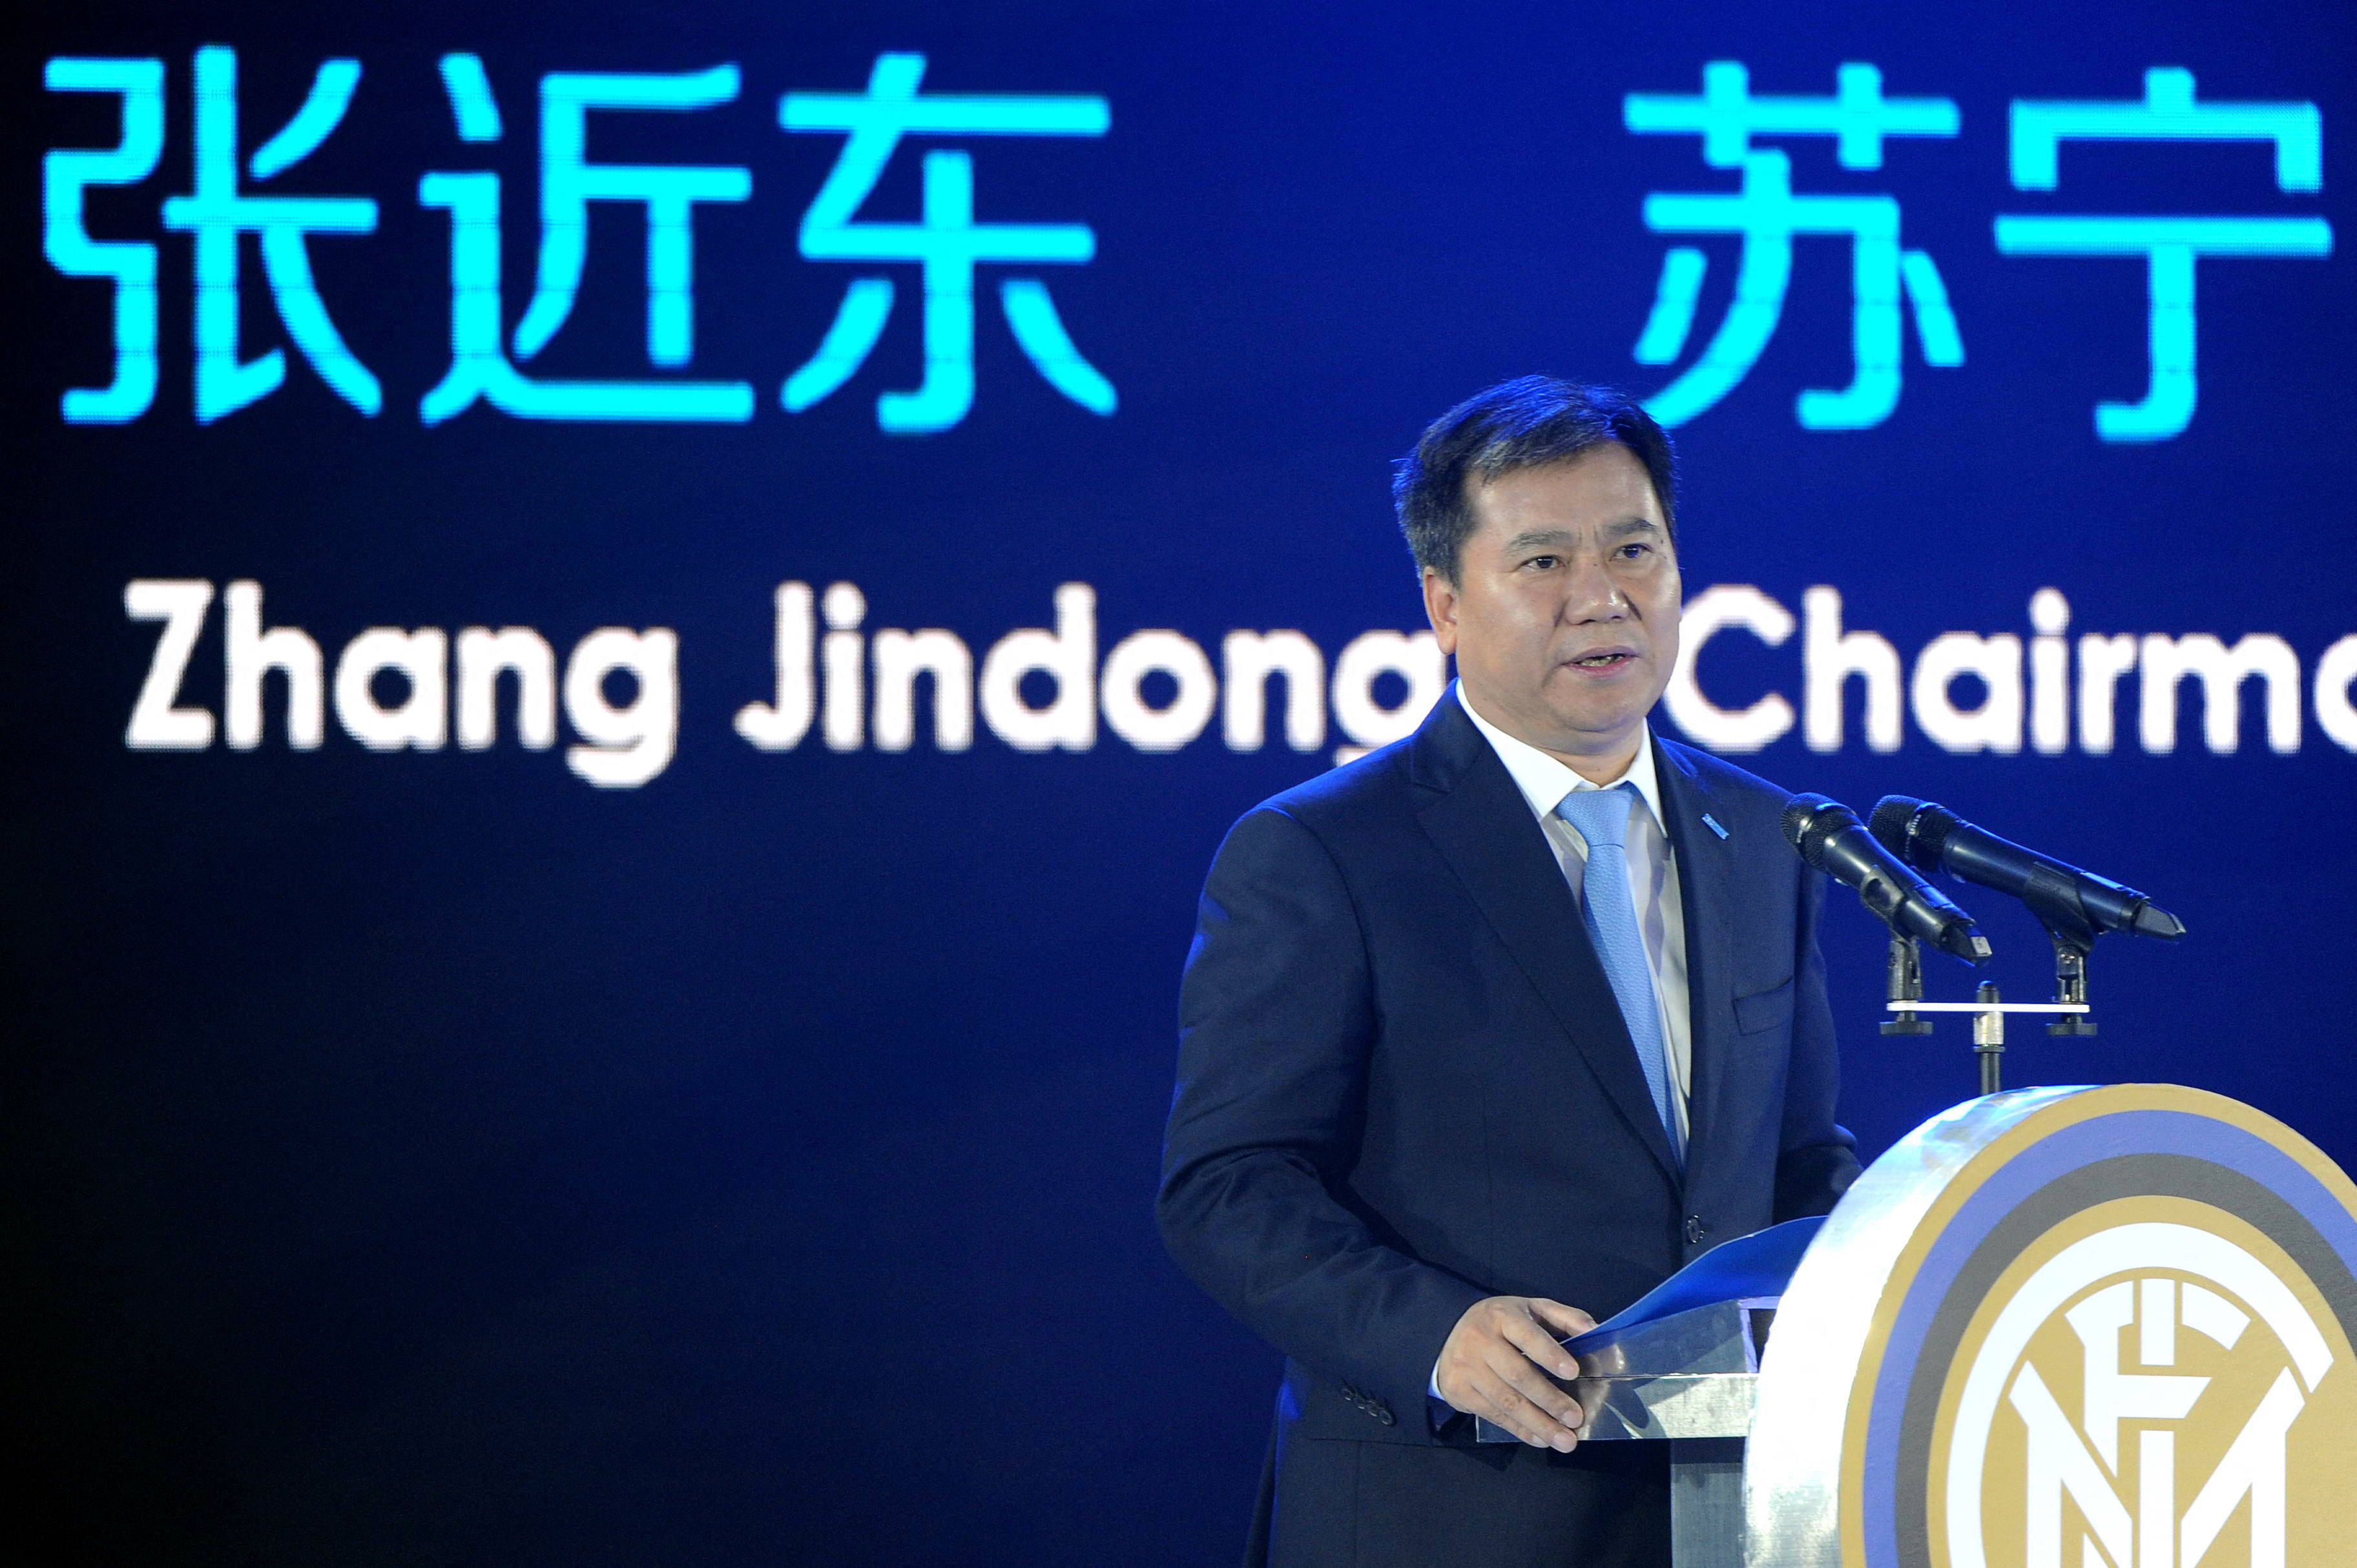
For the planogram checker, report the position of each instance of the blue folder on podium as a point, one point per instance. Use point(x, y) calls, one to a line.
point(1681, 1365)
point(1679, 1362)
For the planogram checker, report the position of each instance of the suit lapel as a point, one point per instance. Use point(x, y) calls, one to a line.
point(1483, 828)
point(1705, 864)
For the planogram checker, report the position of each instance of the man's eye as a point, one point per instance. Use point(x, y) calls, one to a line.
point(1634, 549)
point(1543, 562)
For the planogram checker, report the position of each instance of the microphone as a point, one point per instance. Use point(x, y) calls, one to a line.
point(1831, 839)
point(2070, 901)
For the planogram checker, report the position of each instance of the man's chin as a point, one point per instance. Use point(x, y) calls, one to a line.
point(1598, 711)
point(1589, 737)
point(1568, 722)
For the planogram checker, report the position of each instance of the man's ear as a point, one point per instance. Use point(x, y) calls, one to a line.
point(1440, 607)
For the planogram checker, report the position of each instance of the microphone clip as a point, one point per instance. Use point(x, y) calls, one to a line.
point(2054, 899)
point(1902, 982)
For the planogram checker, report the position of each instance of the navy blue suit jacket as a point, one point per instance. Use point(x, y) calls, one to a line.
point(1404, 1083)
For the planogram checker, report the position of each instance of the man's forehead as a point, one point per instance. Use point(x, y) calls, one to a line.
point(1604, 484)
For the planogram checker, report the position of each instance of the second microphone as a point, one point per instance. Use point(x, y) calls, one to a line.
point(1831, 839)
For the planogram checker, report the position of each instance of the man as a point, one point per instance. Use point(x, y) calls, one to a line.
point(1485, 1034)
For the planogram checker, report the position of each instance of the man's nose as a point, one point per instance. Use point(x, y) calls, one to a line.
point(1592, 592)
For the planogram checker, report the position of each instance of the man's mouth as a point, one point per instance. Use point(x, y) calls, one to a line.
point(1605, 658)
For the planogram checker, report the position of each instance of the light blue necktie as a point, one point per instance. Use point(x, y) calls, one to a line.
point(1601, 817)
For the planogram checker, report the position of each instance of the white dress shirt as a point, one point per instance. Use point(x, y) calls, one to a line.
point(1652, 876)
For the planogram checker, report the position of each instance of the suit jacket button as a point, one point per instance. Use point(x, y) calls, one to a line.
point(1350, 1394)
point(1381, 1413)
point(1696, 1229)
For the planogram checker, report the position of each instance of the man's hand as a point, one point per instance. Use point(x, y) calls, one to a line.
point(1489, 1368)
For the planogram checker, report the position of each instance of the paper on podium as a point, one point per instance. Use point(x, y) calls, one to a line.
point(1749, 1267)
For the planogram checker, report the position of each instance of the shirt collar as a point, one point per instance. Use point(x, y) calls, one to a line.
point(1544, 782)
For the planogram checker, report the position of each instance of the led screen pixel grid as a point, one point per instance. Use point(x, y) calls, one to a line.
point(674, 1071)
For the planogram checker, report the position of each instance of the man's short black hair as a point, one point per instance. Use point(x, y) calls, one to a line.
point(1522, 424)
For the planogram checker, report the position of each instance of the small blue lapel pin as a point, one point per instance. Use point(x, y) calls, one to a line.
point(1712, 824)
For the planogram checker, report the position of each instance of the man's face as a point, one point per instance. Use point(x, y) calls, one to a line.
point(1563, 617)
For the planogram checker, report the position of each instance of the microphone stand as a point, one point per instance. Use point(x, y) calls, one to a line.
point(1903, 972)
point(2053, 896)
point(1988, 1037)
point(1988, 1011)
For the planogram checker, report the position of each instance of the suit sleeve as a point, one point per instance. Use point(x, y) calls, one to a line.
point(1276, 1022)
point(1816, 1159)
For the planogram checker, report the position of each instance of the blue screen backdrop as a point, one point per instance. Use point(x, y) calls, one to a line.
point(632, 628)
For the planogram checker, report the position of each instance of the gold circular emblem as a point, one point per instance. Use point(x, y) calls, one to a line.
point(2151, 1383)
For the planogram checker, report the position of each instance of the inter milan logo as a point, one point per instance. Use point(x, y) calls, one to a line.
point(2145, 1390)
point(2069, 1328)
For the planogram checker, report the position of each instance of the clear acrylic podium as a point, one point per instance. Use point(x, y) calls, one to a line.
point(1687, 1375)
